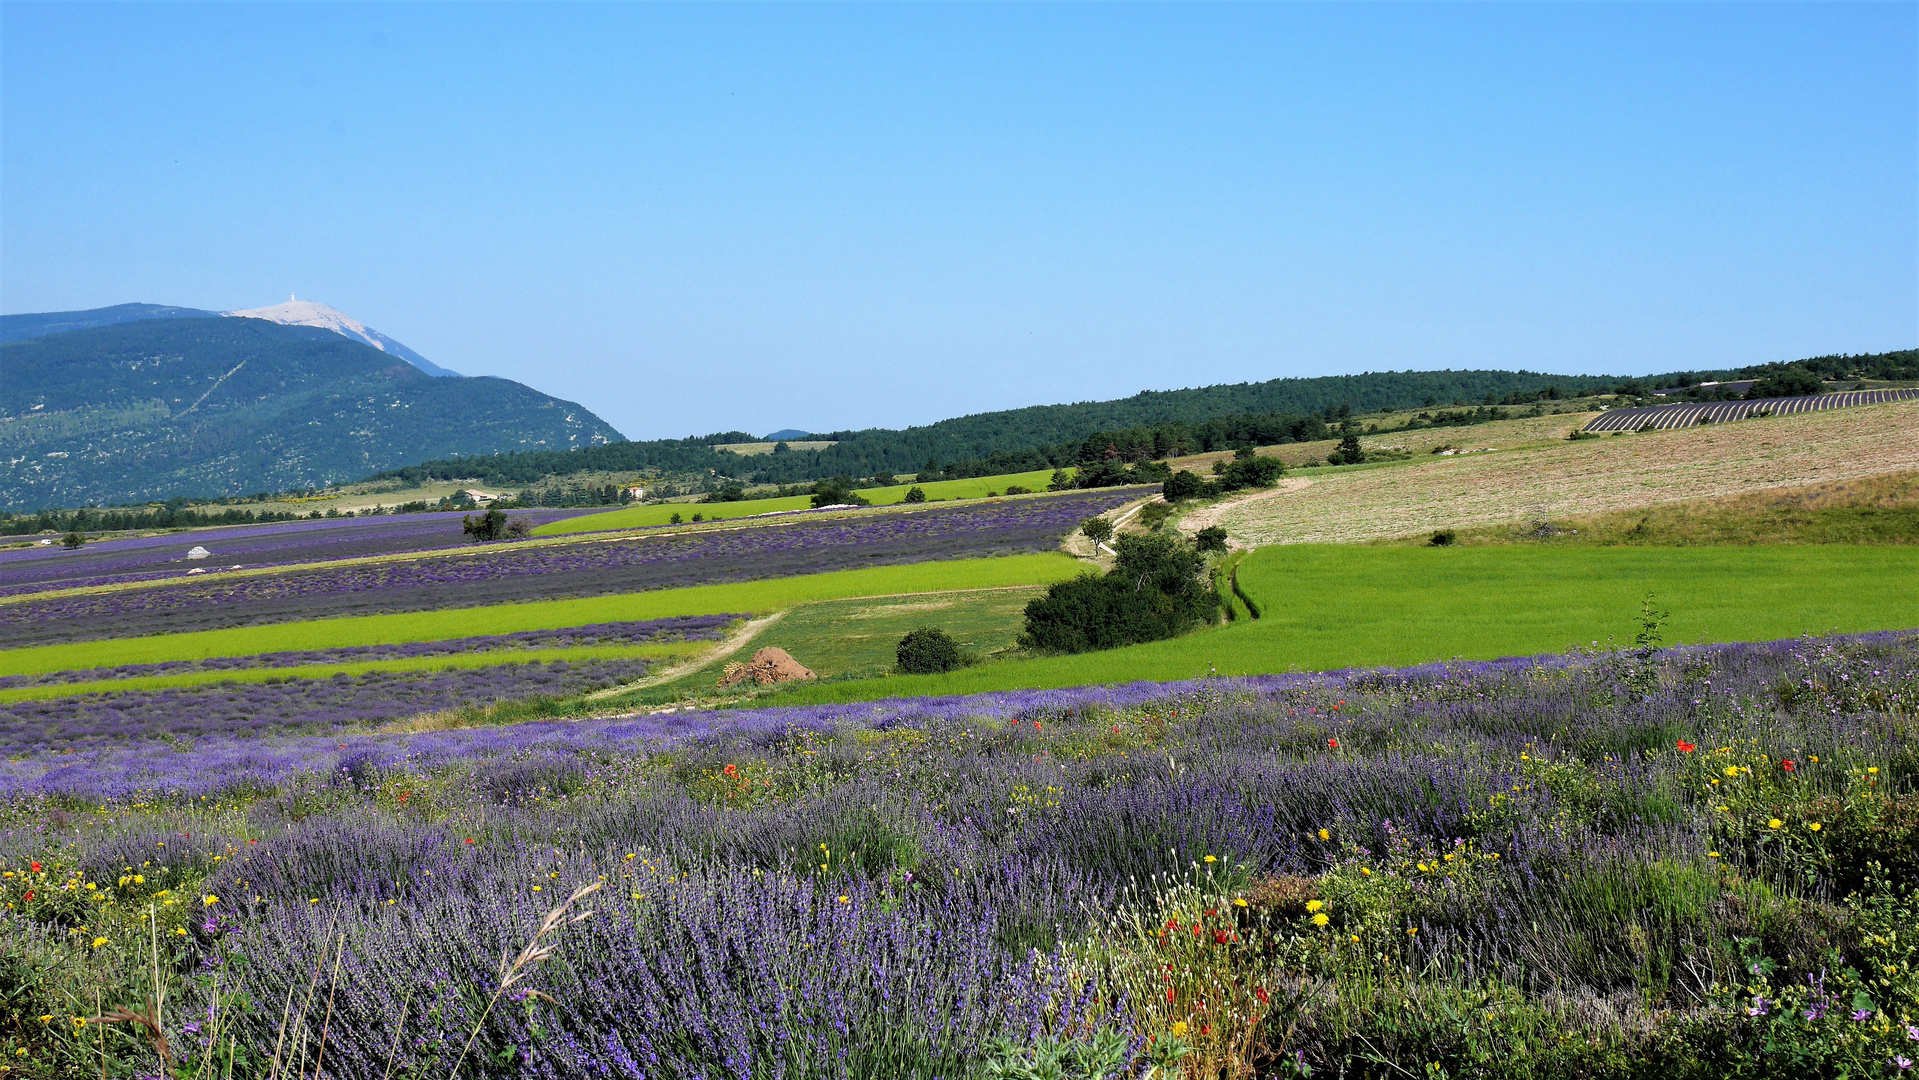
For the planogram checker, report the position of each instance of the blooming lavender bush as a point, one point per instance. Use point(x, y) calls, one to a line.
point(503, 574)
point(1691, 863)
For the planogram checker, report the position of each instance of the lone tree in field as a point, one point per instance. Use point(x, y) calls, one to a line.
point(1097, 529)
point(1211, 538)
point(491, 525)
point(927, 651)
point(73, 540)
point(1248, 470)
point(1183, 485)
point(837, 492)
point(1349, 452)
point(1153, 591)
point(916, 494)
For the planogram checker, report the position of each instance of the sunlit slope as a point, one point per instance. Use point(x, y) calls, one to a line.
point(1567, 478)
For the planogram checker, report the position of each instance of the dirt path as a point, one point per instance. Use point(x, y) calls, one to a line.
point(734, 643)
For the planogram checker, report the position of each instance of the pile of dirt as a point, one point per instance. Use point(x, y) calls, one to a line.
point(767, 667)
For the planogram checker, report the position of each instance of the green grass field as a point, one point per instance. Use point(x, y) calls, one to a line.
point(634, 517)
point(748, 597)
point(1329, 607)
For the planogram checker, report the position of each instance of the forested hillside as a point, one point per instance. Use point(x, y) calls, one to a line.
point(211, 406)
point(1150, 423)
point(1043, 436)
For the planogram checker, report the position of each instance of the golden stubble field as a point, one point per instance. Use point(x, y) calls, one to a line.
point(1563, 478)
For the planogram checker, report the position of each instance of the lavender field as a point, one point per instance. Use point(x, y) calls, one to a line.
point(145, 558)
point(506, 572)
point(1697, 862)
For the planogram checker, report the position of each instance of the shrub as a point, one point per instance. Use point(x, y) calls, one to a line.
point(1443, 538)
point(915, 494)
point(1184, 484)
point(489, 526)
point(1097, 529)
point(1349, 452)
point(73, 540)
point(1154, 591)
point(675, 519)
point(837, 492)
point(927, 651)
point(1211, 538)
point(1790, 382)
point(1247, 470)
point(1015, 489)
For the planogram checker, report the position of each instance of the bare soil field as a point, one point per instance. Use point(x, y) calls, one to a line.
point(1551, 478)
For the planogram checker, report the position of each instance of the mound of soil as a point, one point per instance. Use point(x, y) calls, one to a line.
point(767, 667)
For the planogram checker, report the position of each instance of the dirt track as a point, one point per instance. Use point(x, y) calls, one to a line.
point(1564, 478)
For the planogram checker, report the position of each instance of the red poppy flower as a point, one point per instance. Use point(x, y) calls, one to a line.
point(1332, 744)
point(1169, 993)
point(29, 894)
point(1221, 937)
point(1685, 747)
point(1786, 765)
point(35, 867)
point(469, 839)
point(1260, 993)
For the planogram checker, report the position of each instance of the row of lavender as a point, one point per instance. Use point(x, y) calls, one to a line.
point(290, 705)
point(1610, 865)
point(509, 573)
point(650, 631)
point(143, 558)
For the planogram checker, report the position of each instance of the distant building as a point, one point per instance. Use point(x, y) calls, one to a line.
point(636, 493)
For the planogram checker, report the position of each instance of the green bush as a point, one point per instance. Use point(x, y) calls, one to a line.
point(1097, 529)
point(1154, 591)
point(927, 651)
point(1790, 382)
point(837, 492)
point(1349, 452)
point(1248, 470)
point(915, 495)
point(1211, 538)
point(1443, 538)
point(1184, 485)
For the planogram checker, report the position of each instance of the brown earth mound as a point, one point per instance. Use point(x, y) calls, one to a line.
point(768, 666)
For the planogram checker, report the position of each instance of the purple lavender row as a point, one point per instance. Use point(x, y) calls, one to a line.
point(587, 568)
point(292, 704)
point(1504, 695)
point(680, 628)
point(141, 558)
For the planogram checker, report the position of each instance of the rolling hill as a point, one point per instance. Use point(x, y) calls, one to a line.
point(122, 411)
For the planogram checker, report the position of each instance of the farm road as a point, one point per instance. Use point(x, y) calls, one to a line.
point(1610, 473)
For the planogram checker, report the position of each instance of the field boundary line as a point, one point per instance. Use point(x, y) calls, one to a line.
point(733, 643)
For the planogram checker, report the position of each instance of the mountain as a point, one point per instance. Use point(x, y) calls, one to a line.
point(308, 313)
point(137, 410)
point(18, 327)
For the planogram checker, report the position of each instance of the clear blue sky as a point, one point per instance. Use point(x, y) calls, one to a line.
point(698, 218)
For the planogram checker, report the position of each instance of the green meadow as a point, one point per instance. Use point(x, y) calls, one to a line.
point(1329, 607)
point(634, 517)
point(747, 597)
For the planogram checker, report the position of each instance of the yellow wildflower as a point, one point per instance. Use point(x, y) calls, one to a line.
point(1321, 919)
point(1315, 905)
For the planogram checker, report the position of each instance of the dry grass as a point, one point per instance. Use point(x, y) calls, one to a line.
point(1532, 431)
point(1558, 479)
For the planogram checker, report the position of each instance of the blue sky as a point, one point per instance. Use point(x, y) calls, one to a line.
point(704, 217)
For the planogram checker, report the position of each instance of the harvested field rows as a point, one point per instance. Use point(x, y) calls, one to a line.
point(1590, 476)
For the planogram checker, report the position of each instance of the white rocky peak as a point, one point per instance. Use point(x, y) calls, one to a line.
point(309, 313)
